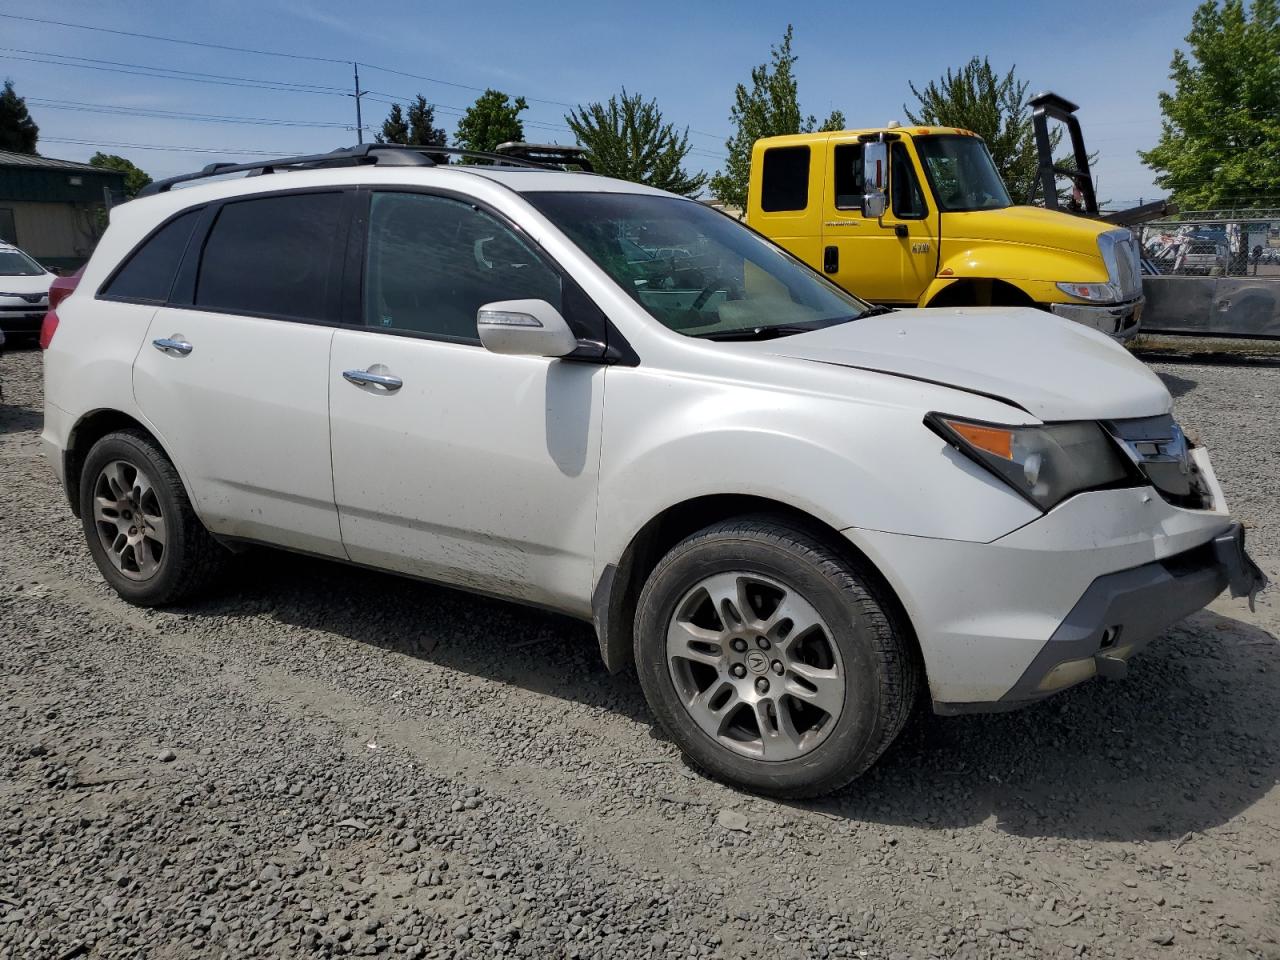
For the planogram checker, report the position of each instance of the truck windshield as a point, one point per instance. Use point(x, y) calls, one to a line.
point(697, 271)
point(962, 173)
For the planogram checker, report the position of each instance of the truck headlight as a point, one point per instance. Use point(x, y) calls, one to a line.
point(1096, 292)
point(1046, 464)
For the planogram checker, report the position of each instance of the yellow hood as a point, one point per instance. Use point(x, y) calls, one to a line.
point(1033, 226)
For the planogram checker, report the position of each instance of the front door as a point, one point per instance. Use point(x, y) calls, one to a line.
point(450, 462)
point(891, 260)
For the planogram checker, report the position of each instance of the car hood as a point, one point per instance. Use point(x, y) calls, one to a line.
point(1030, 226)
point(14, 284)
point(1052, 368)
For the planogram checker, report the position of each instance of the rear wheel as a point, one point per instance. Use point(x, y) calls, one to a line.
point(139, 524)
point(771, 659)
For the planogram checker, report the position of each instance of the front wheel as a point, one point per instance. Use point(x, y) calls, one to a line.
point(139, 524)
point(771, 659)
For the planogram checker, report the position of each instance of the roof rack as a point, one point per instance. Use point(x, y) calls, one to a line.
point(384, 154)
point(553, 154)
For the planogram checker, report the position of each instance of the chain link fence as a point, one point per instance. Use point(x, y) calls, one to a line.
point(1213, 243)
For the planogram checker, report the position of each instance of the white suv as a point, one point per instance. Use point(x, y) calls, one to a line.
point(787, 509)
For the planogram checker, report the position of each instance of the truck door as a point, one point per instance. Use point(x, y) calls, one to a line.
point(891, 260)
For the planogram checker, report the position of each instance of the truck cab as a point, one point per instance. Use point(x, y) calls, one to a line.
point(919, 216)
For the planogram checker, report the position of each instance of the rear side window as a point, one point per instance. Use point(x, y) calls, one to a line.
point(272, 257)
point(148, 273)
point(784, 181)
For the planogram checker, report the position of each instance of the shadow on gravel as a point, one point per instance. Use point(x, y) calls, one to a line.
point(18, 419)
point(1178, 386)
point(1186, 742)
point(542, 652)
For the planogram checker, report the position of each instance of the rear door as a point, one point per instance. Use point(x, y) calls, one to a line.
point(890, 260)
point(461, 465)
point(233, 374)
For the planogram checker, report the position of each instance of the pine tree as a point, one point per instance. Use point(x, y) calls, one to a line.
point(18, 132)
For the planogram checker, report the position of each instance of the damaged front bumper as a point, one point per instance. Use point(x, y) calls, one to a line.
point(1122, 612)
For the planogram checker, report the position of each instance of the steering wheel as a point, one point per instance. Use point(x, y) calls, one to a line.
point(706, 292)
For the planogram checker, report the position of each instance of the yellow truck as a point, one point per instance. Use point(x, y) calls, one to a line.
point(919, 216)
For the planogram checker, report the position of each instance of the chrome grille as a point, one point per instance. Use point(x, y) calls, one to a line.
point(1128, 268)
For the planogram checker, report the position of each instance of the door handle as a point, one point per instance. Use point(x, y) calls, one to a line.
point(172, 346)
point(831, 259)
point(363, 378)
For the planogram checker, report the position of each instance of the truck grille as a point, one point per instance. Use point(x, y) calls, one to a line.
point(1128, 268)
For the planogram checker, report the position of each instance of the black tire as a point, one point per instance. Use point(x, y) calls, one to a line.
point(191, 561)
point(881, 674)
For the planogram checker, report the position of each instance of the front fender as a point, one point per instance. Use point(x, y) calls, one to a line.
point(862, 457)
point(1034, 270)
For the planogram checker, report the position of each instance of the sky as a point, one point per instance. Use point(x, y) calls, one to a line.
point(1109, 56)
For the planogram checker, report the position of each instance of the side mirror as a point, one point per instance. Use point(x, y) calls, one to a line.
point(527, 328)
point(875, 175)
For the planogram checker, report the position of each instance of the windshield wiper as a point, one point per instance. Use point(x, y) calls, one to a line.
point(877, 312)
point(757, 333)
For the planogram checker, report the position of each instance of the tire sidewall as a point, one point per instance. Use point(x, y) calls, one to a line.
point(123, 446)
point(859, 727)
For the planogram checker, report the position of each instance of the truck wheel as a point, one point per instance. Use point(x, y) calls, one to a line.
point(771, 659)
point(139, 525)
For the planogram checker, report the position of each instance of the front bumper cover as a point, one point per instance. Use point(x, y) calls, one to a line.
point(1119, 321)
point(1120, 613)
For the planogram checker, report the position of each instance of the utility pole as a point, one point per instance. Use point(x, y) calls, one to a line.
point(355, 70)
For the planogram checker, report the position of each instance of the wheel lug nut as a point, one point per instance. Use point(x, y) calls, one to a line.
point(762, 685)
point(777, 667)
point(739, 644)
point(738, 670)
point(763, 643)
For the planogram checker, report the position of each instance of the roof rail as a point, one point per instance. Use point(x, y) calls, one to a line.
point(386, 154)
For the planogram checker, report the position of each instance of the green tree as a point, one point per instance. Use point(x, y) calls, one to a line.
point(416, 127)
point(770, 108)
point(394, 129)
point(18, 132)
point(627, 138)
point(493, 119)
point(134, 178)
point(992, 106)
point(1220, 137)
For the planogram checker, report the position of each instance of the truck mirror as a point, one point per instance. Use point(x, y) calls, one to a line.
point(875, 176)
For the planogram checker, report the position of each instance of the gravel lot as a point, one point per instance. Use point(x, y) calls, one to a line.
point(327, 761)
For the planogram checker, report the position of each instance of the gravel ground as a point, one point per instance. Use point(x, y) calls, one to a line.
point(326, 761)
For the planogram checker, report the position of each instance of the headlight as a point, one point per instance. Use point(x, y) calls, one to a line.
point(1098, 292)
point(1046, 464)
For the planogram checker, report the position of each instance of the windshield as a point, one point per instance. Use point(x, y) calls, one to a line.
point(962, 173)
point(695, 270)
point(15, 263)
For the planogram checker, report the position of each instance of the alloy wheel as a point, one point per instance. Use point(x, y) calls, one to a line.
point(129, 519)
point(755, 666)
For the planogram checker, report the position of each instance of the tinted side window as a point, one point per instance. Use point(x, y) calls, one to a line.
point(908, 199)
point(148, 273)
point(850, 182)
point(433, 262)
point(272, 257)
point(784, 180)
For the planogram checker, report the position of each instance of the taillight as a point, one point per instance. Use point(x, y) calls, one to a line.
point(48, 327)
point(57, 293)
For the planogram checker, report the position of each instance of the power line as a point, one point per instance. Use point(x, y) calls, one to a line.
point(269, 85)
point(153, 36)
point(147, 113)
point(172, 147)
point(278, 53)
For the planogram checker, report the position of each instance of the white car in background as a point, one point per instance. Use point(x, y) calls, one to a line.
point(24, 292)
point(790, 511)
